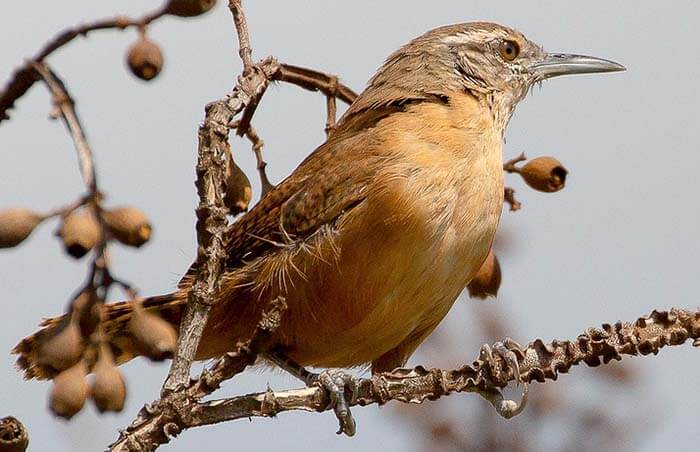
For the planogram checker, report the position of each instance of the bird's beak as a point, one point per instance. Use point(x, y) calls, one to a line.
point(555, 64)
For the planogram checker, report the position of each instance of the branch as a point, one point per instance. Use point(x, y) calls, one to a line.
point(24, 77)
point(315, 81)
point(245, 51)
point(509, 197)
point(211, 252)
point(156, 423)
point(538, 362)
point(65, 104)
point(100, 278)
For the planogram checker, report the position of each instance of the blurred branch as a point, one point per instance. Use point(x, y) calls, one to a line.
point(24, 77)
point(65, 104)
point(509, 197)
point(100, 278)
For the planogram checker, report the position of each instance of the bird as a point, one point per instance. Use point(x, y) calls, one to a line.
point(373, 237)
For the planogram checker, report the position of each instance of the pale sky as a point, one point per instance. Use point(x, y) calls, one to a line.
point(619, 241)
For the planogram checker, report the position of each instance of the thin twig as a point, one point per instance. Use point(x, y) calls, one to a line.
point(330, 115)
point(510, 165)
point(245, 51)
point(66, 106)
point(25, 76)
point(257, 144)
point(99, 273)
point(313, 80)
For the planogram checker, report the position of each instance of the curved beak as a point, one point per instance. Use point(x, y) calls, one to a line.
point(555, 64)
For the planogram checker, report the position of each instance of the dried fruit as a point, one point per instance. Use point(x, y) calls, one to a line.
point(487, 280)
point(154, 337)
point(69, 391)
point(13, 435)
point(128, 225)
point(63, 349)
point(108, 389)
point(145, 59)
point(238, 191)
point(80, 233)
point(189, 8)
point(16, 224)
point(544, 174)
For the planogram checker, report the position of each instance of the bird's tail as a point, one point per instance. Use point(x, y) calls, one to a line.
point(61, 340)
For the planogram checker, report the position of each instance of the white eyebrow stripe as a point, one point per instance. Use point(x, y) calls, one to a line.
point(460, 38)
point(463, 38)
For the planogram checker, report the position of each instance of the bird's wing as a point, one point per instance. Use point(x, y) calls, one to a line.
point(319, 191)
point(324, 186)
point(328, 183)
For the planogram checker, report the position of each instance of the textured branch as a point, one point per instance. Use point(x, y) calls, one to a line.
point(245, 51)
point(24, 77)
point(163, 419)
point(538, 362)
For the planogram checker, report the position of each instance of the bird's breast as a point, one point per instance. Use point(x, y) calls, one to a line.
point(408, 250)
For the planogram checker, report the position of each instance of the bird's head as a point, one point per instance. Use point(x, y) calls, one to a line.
point(493, 62)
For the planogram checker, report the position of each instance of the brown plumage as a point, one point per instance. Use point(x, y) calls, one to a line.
point(372, 238)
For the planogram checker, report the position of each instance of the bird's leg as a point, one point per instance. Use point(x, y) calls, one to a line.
point(507, 351)
point(335, 381)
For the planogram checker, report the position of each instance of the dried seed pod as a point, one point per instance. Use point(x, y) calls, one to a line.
point(189, 8)
point(13, 435)
point(154, 337)
point(544, 174)
point(80, 233)
point(128, 225)
point(238, 191)
point(487, 280)
point(16, 224)
point(69, 391)
point(63, 349)
point(145, 59)
point(108, 389)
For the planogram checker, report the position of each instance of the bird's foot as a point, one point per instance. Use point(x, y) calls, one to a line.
point(336, 381)
point(508, 351)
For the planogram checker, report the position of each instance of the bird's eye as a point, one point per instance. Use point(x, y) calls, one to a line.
point(509, 50)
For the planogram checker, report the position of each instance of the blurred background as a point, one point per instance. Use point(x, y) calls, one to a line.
point(620, 240)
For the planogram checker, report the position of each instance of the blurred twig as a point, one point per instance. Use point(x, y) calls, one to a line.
point(24, 77)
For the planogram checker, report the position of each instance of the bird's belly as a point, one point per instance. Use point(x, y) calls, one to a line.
point(390, 278)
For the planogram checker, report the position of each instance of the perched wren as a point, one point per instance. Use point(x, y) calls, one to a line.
point(373, 237)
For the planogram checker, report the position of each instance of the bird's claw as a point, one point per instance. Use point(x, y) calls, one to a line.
point(335, 381)
point(508, 350)
point(506, 408)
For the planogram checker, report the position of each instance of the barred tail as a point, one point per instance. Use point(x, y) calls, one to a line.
point(115, 327)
